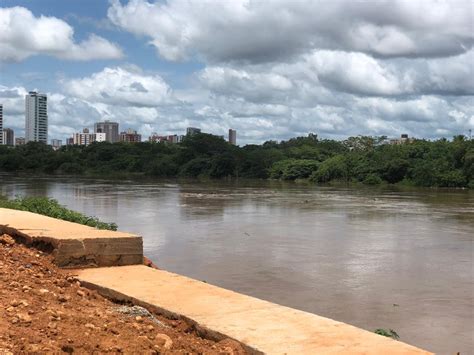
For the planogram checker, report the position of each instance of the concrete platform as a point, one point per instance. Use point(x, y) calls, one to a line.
point(74, 244)
point(263, 327)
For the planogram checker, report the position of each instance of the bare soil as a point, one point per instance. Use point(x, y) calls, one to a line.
point(43, 309)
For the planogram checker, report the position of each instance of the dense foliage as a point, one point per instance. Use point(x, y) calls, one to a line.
point(444, 163)
point(51, 208)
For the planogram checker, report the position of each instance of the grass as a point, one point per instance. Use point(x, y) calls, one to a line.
point(390, 333)
point(50, 207)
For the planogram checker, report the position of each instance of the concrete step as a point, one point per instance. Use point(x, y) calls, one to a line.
point(74, 244)
point(263, 327)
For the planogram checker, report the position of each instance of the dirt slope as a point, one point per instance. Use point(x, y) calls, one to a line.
point(43, 309)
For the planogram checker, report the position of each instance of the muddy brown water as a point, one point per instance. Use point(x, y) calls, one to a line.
point(371, 257)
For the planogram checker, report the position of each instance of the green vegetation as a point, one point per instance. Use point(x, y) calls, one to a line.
point(51, 208)
point(366, 160)
point(390, 333)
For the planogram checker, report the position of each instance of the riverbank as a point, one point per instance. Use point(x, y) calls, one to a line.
point(43, 309)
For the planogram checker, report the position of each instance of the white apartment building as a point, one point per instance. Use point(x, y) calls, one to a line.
point(1, 123)
point(84, 138)
point(36, 117)
point(100, 137)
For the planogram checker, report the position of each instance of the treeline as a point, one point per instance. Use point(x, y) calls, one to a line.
point(443, 163)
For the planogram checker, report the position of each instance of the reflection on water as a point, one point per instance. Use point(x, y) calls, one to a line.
point(375, 258)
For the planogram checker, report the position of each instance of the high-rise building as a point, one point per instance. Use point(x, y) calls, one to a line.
point(36, 117)
point(56, 143)
point(130, 136)
point(232, 136)
point(19, 141)
point(8, 136)
point(84, 138)
point(100, 137)
point(1, 123)
point(111, 130)
point(192, 130)
point(70, 141)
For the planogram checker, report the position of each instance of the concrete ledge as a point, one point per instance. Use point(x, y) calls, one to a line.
point(262, 327)
point(73, 244)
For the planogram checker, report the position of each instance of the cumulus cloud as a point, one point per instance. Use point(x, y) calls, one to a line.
point(22, 35)
point(279, 30)
point(120, 86)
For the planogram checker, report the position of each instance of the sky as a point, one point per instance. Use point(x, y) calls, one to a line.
point(271, 69)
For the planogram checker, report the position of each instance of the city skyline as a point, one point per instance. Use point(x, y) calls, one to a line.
point(338, 69)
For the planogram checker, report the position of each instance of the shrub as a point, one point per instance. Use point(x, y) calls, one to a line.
point(390, 333)
point(50, 207)
point(395, 170)
point(292, 169)
point(372, 179)
point(454, 178)
point(195, 167)
point(331, 169)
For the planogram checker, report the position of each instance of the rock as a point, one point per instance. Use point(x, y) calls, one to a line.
point(149, 263)
point(139, 319)
point(24, 317)
point(14, 284)
point(63, 298)
point(81, 293)
point(67, 349)
point(231, 347)
point(90, 326)
point(7, 240)
point(164, 341)
point(150, 328)
point(32, 348)
point(43, 291)
point(15, 303)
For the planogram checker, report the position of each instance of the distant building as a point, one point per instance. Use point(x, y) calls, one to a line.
point(100, 137)
point(8, 136)
point(70, 141)
point(130, 136)
point(36, 117)
point(232, 136)
point(192, 130)
point(173, 138)
point(84, 138)
point(19, 141)
point(156, 138)
point(1, 123)
point(111, 130)
point(56, 143)
point(402, 140)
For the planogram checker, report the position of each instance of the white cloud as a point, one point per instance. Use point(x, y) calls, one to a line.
point(120, 86)
point(279, 30)
point(23, 35)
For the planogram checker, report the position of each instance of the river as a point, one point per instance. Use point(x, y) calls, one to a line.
point(371, 257)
